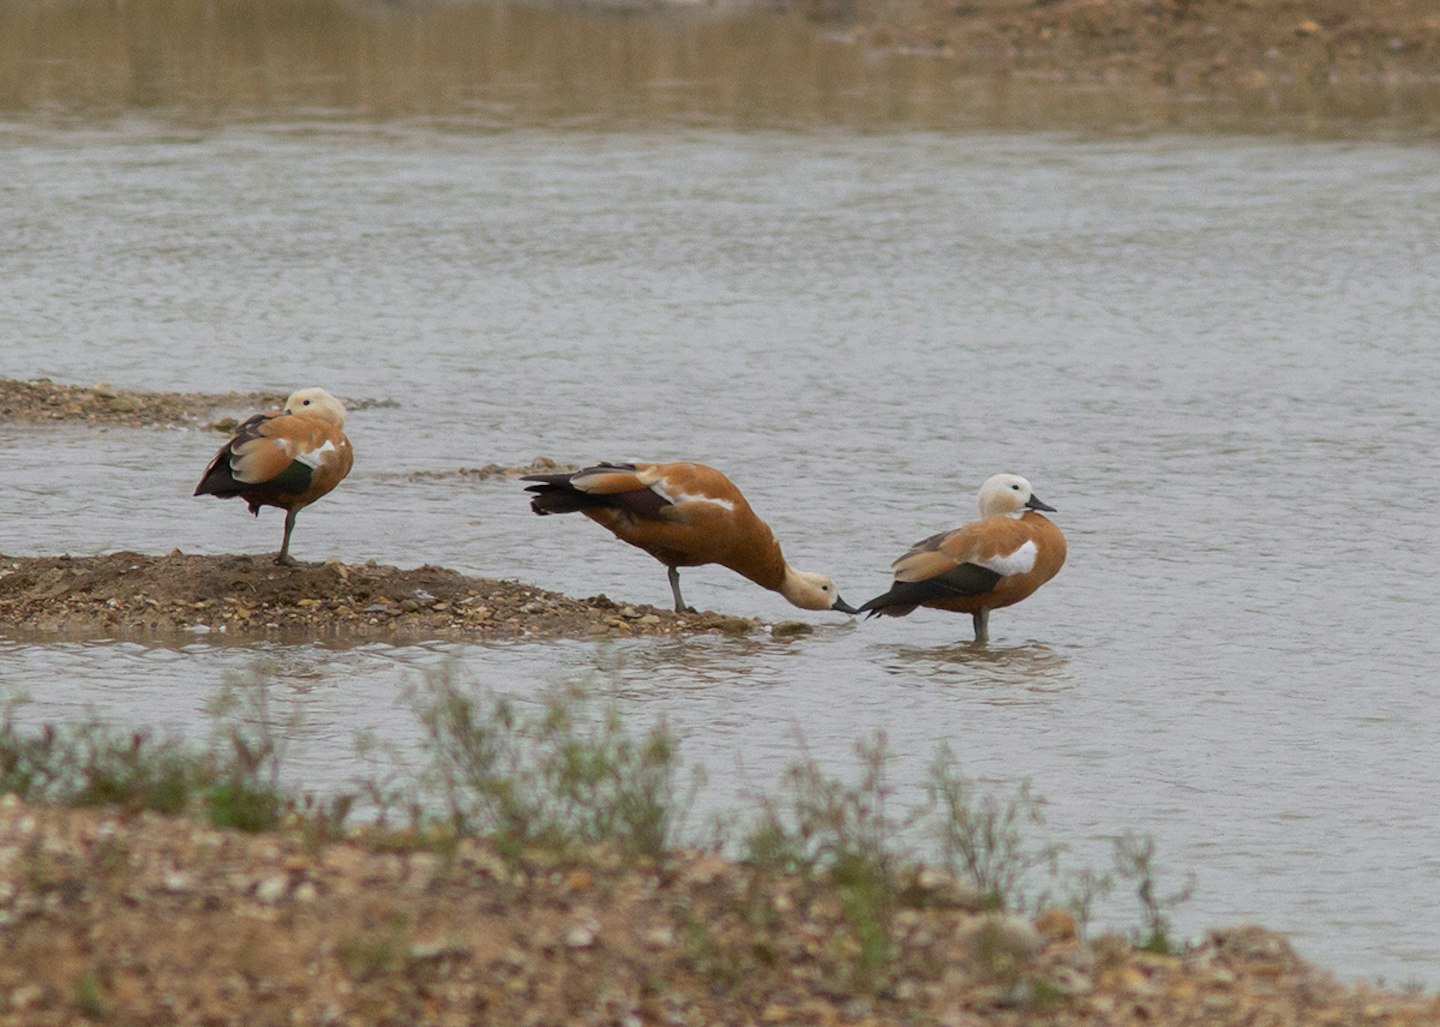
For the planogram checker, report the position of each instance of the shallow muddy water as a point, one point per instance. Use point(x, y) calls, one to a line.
point(1214, 356)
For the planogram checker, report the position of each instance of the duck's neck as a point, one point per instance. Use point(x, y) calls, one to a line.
point(792, 585)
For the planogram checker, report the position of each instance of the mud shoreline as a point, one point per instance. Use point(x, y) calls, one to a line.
point(1189, 46)
point(184, 596)
point(43, 401)
point(1313, 68)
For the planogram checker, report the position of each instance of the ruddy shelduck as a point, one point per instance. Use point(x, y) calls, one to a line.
point(684, 515)
point(993, 562)
point(287, 459)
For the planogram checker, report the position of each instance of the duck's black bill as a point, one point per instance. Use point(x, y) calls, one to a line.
point(842, 606)
point(1036, 503)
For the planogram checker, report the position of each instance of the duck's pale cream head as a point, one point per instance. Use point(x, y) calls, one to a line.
point(812, 592)
point(316, 403)
point(1008, 495)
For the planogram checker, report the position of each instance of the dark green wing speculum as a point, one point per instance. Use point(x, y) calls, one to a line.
point(295, 479)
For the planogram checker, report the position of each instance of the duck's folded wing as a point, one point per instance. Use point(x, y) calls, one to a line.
point(951, 563)
point(283, 451)
point(620, 487)
point(966, 580)
point(240, 462)
point(928, 572)
point(609, 480)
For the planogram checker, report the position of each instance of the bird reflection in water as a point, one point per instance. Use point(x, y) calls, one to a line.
point(1033, 666)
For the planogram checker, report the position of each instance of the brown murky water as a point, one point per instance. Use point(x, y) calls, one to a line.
point(1215, 355)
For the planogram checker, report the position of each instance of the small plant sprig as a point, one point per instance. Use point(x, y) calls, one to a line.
point(1134, 857)
point(983, 836)
point(237, 780)
point(562, 776)
point(843, 836)
point(248, 752)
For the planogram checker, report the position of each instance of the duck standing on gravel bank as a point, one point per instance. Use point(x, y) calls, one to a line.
point(684, 515)
point(287, 459)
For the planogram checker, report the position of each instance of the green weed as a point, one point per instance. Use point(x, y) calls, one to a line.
point(243, 789)
point(841, 835)
point(134, 772)
point(92, 764)
point(373, 954)
point(560, 778)
point(90, 996)
point(983, 837)
point(1134, 858)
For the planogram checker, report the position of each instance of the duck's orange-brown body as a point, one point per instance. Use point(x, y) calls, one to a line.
point(988, 564)
point(986, 544)
point(285, 459)
point(684, 515)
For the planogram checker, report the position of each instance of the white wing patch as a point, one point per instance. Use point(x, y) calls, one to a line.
point(676, 498)
point(315, 457)
point(1018, 562)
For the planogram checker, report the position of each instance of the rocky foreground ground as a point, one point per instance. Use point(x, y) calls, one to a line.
point(106, 918)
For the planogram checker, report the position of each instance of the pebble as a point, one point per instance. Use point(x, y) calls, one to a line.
point(25, 996)
point(1057, 924)
point(272, 889)
point(581, 936)
point(994, 936)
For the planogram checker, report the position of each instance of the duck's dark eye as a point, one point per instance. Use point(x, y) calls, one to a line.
point(1015, 487)
point(307, 402)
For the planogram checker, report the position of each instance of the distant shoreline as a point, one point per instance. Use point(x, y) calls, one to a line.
point(1189, 46)
point(1310, 67)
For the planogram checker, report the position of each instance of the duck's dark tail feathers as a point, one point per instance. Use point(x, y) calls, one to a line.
point(553, 494)
point(892, 604)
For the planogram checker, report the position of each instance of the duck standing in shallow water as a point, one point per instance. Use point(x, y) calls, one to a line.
point(289, 459)
point(993, 562)
point(684, 515)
